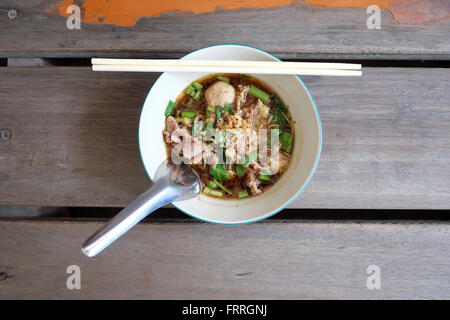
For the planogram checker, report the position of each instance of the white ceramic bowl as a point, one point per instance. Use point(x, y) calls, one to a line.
point(308, 139)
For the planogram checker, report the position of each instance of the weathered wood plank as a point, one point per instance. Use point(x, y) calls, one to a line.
point(299, 30)
point(68, 125)
point(74, 139)
point(200, 261)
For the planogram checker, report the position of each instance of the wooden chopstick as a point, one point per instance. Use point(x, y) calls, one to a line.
point(228, 63)
point(227, 66)
point(217, 69)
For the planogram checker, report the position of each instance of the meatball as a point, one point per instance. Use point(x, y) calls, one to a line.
point(220, 94)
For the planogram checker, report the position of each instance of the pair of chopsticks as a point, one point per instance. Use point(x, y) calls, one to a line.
point(227, 66)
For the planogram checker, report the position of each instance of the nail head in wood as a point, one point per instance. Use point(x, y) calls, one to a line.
point(5, 134)
point(11, 13)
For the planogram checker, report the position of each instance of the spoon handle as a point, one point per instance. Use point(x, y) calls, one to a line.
point(159, 195)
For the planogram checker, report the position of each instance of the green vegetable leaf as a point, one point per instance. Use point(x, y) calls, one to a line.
point(280, 108)
point(218, 112)
point(278, 117)
point(286, 141)
point(279, 104)
point(240, 170)
point(229, 108)
point(219, 173)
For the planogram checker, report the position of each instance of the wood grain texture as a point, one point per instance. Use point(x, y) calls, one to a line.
point(201, 261)
point(74, 139)
point(299, 30)
point(74, 136)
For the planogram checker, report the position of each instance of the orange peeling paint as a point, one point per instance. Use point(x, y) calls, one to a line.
point(126, 13)
point(349, 3)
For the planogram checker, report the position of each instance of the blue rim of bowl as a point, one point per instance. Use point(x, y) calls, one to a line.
point(307, 181)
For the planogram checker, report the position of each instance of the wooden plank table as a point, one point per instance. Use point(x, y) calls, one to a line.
point(300, 260)
point(385, 139)
point(71, 140)
point(307, 32)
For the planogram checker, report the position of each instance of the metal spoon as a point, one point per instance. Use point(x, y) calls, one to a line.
point(171, 183)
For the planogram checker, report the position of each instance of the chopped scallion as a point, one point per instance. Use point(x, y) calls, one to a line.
point(215, 193)
point(197, 95)
point(189, 90)
point(212, 185)
point(197, 85)
point(188, 114)
point(169, 108)
point(242, 194)
point(258, 93)
point(265, 178)
point(225, 79)
point(221, 186)
point(207, 190)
